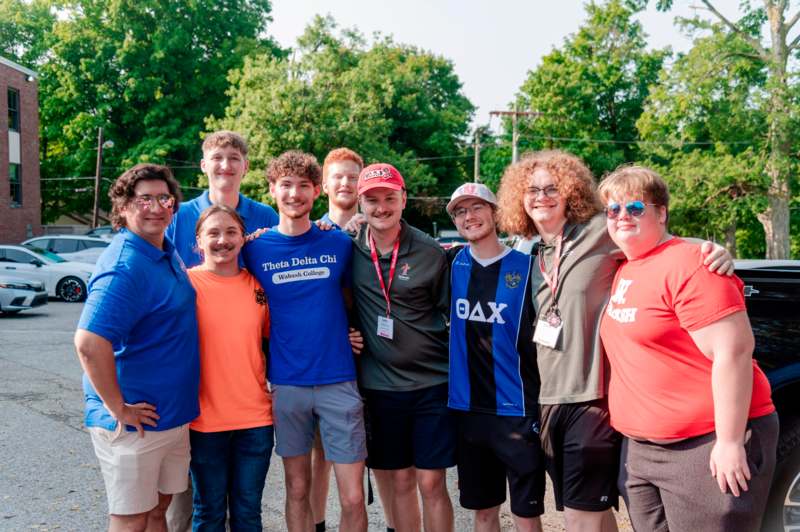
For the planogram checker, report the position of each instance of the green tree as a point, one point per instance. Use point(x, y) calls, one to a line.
point(24, 27)
point(779, 105)
point(591, 90)
point(148, 71)
point(390, 102)
point(703, 127)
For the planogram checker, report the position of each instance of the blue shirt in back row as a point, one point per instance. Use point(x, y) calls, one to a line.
point(140, 299)
point(182, 229)
point(303, 277)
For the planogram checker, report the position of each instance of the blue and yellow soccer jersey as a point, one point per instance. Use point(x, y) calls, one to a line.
point(492, 355)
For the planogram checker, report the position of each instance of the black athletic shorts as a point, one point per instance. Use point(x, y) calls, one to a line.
point(582, 453)
point(406, 429)
point(494, 449)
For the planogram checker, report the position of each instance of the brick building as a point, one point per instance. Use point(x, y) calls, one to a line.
point(20, 196)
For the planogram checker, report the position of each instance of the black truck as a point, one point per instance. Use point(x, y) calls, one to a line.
point(772, 293)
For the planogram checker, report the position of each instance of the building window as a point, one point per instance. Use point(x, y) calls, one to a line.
point(15, 178)
point(13, 110)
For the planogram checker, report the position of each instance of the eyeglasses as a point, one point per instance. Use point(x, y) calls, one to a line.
point(634, 208)
point(146, 201)
point(475, 209)
point(550, 191)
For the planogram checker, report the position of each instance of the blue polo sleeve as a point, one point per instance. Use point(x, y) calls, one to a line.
point(113, 306)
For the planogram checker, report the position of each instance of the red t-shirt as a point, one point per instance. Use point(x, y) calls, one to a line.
point(660, 385)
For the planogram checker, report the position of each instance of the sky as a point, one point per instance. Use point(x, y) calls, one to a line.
point(492, 43)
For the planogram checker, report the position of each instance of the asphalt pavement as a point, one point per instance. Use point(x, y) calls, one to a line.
point(49, 477)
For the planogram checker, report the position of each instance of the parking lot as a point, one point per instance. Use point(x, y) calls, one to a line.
point(49, 478)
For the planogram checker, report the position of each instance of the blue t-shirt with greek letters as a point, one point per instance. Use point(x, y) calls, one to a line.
point(303, 277)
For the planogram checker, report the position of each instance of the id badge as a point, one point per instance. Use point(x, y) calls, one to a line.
point(385, 327)
point(547, 333)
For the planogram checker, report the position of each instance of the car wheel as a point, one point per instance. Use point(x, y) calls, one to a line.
point(783, 507)
point(9, 312)
point(71, 289)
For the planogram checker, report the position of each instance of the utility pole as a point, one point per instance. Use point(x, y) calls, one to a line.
point(476, 175)
point(514, 130)
point(97, 174)
point(98, 170)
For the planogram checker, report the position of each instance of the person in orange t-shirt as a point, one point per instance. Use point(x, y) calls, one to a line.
point(700, 427)
point(232, 439)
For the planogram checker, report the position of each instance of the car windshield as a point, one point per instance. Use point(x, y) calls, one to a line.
point(45, 255)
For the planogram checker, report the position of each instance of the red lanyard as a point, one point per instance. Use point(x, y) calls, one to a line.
point(385, 289)
point(552, 278)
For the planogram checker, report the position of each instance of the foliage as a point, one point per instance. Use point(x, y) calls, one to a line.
point(390, 102)
point(779, 105)
point(592, 89)
point(703, 127)
point(147, 71)
point(24, 26)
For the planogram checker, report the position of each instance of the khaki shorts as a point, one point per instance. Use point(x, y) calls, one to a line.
point(135, 470)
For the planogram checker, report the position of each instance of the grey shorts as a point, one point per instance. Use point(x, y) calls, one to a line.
point(339, 410)
point(670, 487)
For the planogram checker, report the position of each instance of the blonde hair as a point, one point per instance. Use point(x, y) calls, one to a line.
point(635, 181)
point(572, 177)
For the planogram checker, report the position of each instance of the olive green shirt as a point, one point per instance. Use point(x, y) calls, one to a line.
point(417, 356)
point(576, 370)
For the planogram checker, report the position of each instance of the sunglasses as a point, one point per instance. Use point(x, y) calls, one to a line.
point(634, 208)
point(146, 201)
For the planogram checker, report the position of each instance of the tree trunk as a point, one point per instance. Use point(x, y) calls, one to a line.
point(730, 239)
point(775, 218)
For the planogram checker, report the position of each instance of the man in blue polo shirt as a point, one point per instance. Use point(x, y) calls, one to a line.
point(303, 271)
point(137, 342)
point(224, 163)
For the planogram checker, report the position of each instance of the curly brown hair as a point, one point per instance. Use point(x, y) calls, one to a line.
point(573, 179)
point(295, 163)
point(122, 191)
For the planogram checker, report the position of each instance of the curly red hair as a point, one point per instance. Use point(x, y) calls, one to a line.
point(572, 177)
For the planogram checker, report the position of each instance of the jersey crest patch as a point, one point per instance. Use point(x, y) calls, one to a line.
point(512, 279)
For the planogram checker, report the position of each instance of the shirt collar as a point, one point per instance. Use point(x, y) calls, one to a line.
point(203, 201)
point(243, 207)
point(405, 237)
point(327, 219)
point(149, 250)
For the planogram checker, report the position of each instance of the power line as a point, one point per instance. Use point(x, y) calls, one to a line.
point(649, 142)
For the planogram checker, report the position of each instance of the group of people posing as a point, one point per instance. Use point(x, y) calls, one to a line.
point(613, 356)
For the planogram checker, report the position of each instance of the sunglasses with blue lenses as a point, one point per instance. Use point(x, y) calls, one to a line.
point(634, 208)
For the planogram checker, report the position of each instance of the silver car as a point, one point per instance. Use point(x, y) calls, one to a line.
point(20, 294)
point(75, 248)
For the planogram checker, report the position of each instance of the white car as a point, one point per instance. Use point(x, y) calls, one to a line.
point(77, 248)
point(20, 294)
point(64, 279)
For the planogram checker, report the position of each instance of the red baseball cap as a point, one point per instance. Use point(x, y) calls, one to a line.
point(380, 175)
